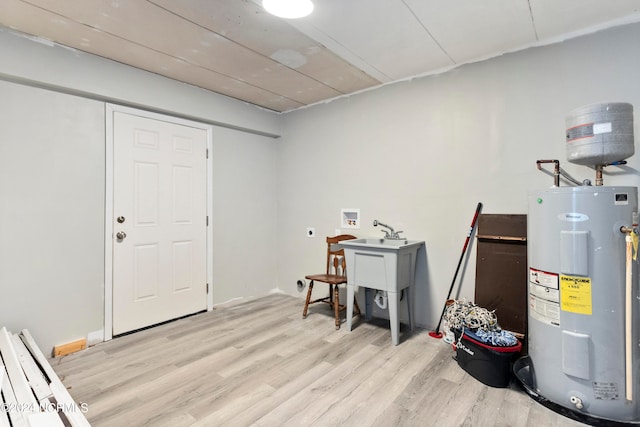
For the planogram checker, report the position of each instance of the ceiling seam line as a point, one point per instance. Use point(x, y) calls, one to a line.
point(533, 22)
point(249, 49)
point(429, 32)
point(357, 56)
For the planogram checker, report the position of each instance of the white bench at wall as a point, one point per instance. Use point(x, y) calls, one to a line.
point(32, 393)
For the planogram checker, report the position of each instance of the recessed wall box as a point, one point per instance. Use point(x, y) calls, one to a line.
point(350, 218)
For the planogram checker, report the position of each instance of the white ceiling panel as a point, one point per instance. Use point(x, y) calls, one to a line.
point(382, 33)
point(145, 24)
point(246, 24)
point(235, 48)
point(29, 19)
point(470, 29)
point(555, 18)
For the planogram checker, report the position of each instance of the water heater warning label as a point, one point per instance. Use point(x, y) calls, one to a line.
point(543, 278)
point(544, 311)
point(605, 391)
point(544, 297)
point(575, 294)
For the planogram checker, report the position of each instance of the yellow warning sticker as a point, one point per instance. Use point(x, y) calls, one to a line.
point(575, 294)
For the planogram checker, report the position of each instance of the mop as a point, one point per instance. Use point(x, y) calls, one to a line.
point(437, 333)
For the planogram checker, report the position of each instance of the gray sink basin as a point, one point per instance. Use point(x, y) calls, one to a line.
point(380, 243)
point(382, 264)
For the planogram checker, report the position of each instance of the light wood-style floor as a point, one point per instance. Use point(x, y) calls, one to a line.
point(259, 363)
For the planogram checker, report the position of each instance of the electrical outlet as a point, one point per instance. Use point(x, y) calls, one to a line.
point(311, 232)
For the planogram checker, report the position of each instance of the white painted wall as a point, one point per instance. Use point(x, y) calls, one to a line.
point(51, 214)
point(420, 155)
point(52, 185)
point(244, 215)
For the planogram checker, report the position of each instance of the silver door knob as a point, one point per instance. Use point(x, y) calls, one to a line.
point(121, 235)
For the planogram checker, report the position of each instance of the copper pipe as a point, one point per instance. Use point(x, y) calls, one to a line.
point(599, 175)
point(556, 170)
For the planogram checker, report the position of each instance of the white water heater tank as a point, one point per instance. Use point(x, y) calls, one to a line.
point(599, 134)
point(577, 333)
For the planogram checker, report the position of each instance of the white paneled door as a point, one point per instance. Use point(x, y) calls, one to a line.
point(159, 221)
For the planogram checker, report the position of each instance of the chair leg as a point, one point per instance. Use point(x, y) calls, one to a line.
point(336, 304)
point(306, 303)
point(355, 302)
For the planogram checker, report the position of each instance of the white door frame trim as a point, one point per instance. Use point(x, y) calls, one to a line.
point(108, 214)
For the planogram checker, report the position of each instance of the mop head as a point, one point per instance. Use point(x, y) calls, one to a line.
point(461, 315)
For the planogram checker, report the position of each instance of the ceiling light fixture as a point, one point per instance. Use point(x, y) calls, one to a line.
point(288, 9)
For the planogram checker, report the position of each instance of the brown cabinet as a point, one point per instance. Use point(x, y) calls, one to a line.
point(501, 269)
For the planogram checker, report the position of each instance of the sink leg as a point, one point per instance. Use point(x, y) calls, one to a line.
point(392, 298)
point(350, 291)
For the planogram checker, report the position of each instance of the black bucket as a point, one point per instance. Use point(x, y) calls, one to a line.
point(491, 365)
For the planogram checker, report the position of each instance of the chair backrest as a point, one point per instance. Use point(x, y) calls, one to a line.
point(336, 264)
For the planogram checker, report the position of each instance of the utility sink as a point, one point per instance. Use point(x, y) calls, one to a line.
point(385, 265)
point(382, 264)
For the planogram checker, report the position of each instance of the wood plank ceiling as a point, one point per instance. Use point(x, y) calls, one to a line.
point(235, 48)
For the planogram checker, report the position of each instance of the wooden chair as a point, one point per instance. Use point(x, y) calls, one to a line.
point(336, 274)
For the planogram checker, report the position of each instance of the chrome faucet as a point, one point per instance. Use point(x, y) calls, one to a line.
point(391, 234)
